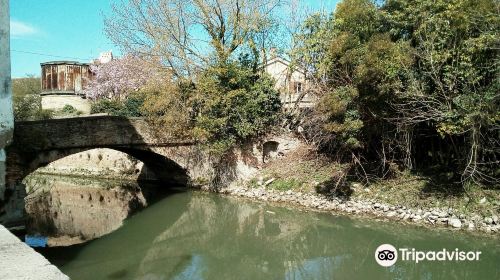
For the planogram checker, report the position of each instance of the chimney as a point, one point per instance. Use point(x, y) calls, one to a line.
point(272, 53)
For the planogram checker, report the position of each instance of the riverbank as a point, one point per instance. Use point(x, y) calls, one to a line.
point(298, 175)
point(302, 177)
point(426, 217)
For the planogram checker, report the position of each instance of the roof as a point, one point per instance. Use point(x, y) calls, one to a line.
point(63, 62)
point(283, 61)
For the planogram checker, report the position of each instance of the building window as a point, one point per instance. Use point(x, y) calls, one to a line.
point(298, 87)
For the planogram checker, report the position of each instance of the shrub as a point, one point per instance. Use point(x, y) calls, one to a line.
point(235, 104)
point(69, 110)
point(29, 108)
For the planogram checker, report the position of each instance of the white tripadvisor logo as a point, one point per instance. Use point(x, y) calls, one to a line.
point(386, 255)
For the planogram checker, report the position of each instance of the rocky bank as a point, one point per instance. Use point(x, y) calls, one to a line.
point(435, 217)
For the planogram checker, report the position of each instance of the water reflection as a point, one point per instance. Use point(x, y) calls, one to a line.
point(203, 236)
point(72, 209)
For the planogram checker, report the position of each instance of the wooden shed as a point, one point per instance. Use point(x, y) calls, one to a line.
point(64, 77)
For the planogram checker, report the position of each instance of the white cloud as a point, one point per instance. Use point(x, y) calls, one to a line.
point(19, 29)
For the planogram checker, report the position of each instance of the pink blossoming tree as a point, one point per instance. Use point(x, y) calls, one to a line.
point(120, 77)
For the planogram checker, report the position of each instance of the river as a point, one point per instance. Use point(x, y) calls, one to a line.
point(196, 235)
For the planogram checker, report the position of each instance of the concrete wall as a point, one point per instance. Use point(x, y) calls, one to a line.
point(6, 114)
point(19, 261)
point(57, 102)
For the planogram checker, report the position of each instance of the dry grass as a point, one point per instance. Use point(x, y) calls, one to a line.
point(419, 191)
point(304, 170)
point(301, 170)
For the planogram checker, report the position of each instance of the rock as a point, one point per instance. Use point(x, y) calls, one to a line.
point(482, 200)
point(385, 208)
point(488, 220)
point(417, 218)
point(356, 185)
point(471, 226)
point(454, 222)
point(442, 220)
point(391, 214)
point(269, 181)
point(376, 205)
point(433, 217)
point(443, 215)
point(495, 219)
point(426, 214)
point(461, 216)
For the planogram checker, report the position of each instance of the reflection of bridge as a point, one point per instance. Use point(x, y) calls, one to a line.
point(174, 161)
point(38, 143)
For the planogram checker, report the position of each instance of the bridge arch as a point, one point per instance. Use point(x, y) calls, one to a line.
point(37, 143)
point(166, 170)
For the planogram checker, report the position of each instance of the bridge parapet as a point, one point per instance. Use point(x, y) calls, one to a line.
point(90, 131)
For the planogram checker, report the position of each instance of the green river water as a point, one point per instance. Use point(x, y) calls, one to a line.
point(194, 235)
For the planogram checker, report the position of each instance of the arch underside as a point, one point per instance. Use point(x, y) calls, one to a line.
point(166, 170)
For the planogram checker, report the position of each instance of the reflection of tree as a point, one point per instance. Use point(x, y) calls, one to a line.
point(242, 236)
point(240, 240)
point(200, 236)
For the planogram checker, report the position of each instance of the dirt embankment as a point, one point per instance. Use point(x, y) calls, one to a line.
point(305, 178)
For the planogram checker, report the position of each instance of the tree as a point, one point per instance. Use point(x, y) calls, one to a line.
point(454, 86)
point(188, 35)
point(228, 104)
point(24, 86)
point(170, 107)
point(407, 74)
point(27, 99)
point(120, 77)
point(234, 104)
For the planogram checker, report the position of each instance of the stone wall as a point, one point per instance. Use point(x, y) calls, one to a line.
point(57, 102)
point(244, 162)
point(6, 114)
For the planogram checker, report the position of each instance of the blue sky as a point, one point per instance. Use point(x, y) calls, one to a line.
point(44, 30)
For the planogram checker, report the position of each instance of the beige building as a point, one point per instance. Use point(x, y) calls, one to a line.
point(291, 84)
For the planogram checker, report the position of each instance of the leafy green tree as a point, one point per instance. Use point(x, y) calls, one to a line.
point(235, 104)
point(407, 73)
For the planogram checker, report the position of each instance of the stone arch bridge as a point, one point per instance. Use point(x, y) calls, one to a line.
point(38, 143)
point(174, 161)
